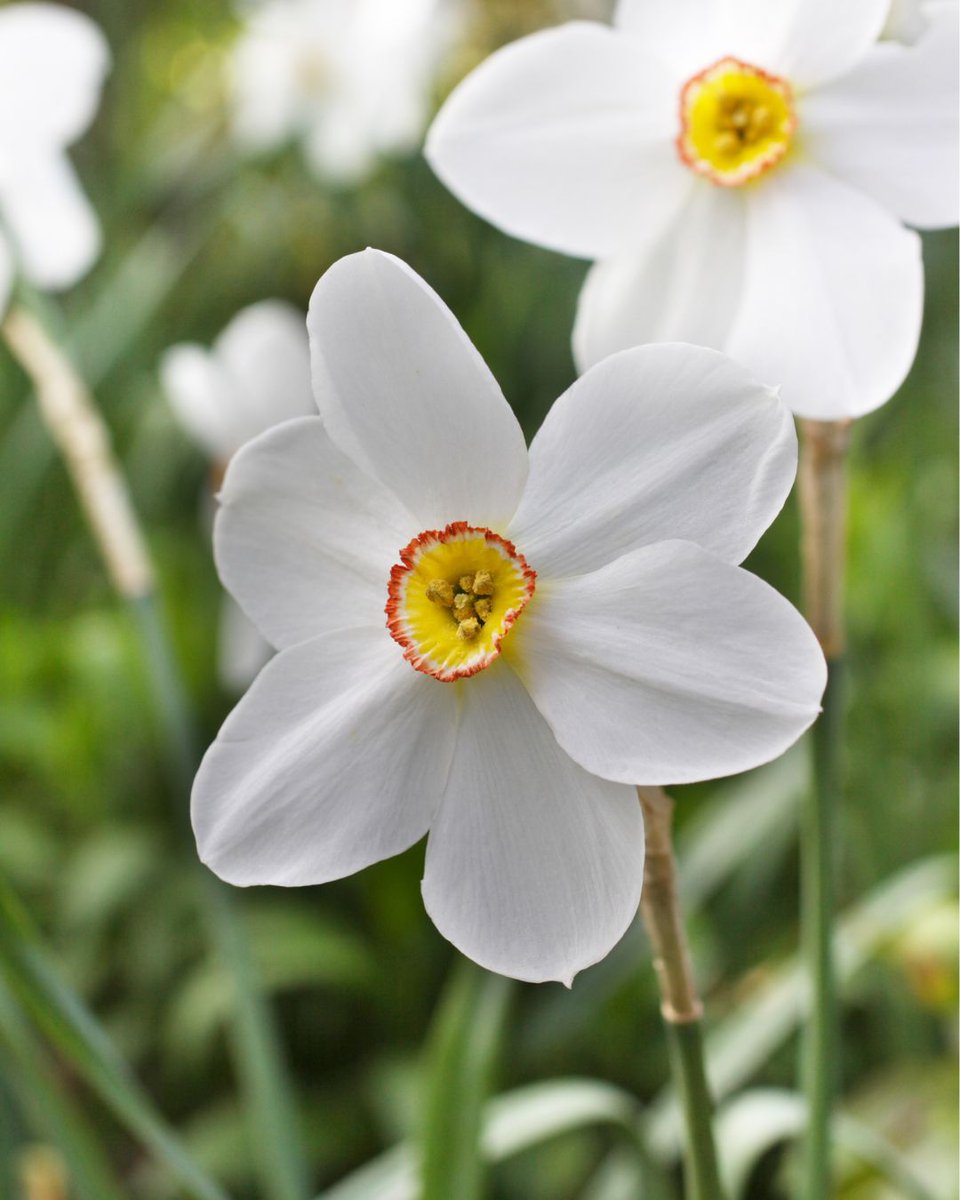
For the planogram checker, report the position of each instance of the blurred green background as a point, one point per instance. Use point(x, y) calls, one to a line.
point(355, 970)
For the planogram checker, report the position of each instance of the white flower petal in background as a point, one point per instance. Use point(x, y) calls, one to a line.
point(241, 650)
point(533, 867)
point(887, 127)
point(667, 663)
point(50, 222)
point(304, 539)
point(378, 331)
point(256, 374)
point(657, 668)
point(351, 79)
point(666, 441)
point(53, 61)
point(823, 249)
point(759, 232)
point(334, 759)
point(573, 155)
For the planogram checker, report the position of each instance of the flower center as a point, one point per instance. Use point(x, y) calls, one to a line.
point(453, 598)
point(736, 122)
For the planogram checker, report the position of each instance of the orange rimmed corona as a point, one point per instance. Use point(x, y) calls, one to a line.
point(736, 122)
point(453, 598)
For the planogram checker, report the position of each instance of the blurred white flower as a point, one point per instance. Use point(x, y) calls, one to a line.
point(741, 171)
point(256, 375)
point(351, 79)
point(559, 624)
point(53, 61)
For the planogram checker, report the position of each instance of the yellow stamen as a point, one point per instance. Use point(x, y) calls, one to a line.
point(469, 630)
point(440, 592)
point(482, 584)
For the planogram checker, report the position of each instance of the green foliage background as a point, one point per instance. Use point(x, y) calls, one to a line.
point(355, 970)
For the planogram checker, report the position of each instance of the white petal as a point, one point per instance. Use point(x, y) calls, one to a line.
point(336, 758)
point(565, 139)
point(203, 399)
point(807, 41)
point(52, 64)
point(303, 539)
point(687, 34)
point(683, 287)
point(404, 393)
point(657, 442)
point(256, 375)
point(533, 867)
point(242, 651)
point(890, 126)
point(266, 353)
point(833, 295)
point(53, 227)
point(263, 78)
point(669, 666)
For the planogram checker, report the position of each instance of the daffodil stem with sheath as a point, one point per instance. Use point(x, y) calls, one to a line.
point(680, 1004)
point(75, 425)
point(823, 506)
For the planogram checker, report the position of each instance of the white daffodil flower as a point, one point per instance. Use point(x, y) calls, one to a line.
point(256, 375)
point(740, 169)
point(490, 644)
point(351, 79)
point(53, 61)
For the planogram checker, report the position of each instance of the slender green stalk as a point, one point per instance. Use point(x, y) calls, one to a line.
point(680, 1005)
point(817, 870)
point(79, 432)
point(823, 502)
point(702, 1177)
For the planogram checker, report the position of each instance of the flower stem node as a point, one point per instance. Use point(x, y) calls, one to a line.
point(453, 598)
point(737, 121)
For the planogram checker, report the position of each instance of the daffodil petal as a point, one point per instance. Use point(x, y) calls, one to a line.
point(266, 352)
point(204, 399)
point(335, 759)
point(52, 225)
point(303, 539)
point(404, 393)
point(686, 34)
point(670, 666)
point(683, 287)
point(807, 41)
point(533, 866)
point(657, 442)
point(52, 63)
point(890, 125)
point(832, 296)
point(565, 139)
point(242, 651)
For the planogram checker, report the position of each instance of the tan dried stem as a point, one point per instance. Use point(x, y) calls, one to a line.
point(81, 435)
point(660, 904)
point(823, 490)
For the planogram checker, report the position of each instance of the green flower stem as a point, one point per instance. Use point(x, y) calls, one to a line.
point(822, 484)
point(680, 1005)
point(81, 435)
